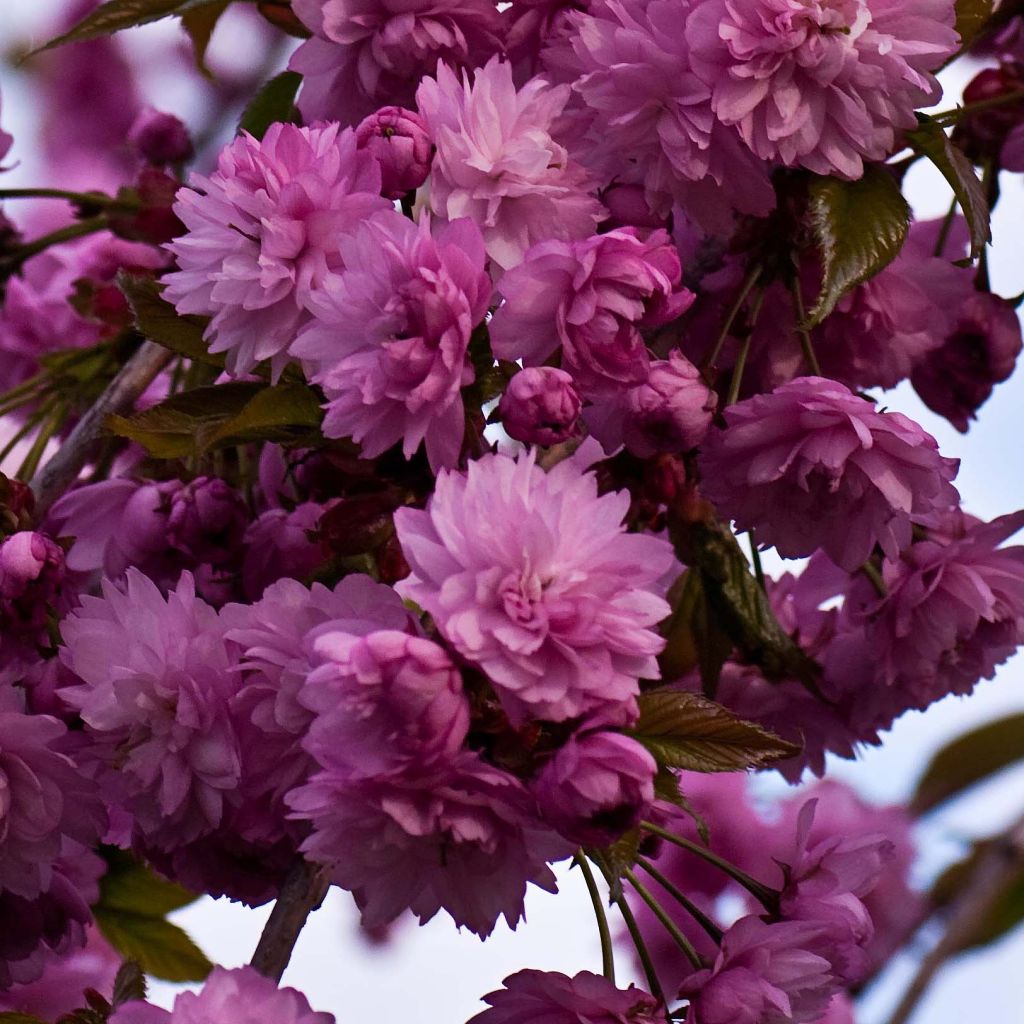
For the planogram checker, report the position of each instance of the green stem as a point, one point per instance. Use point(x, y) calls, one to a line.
point(803, 333)
point(872, 573)
point(953, 115)
point(683, 900)
point(670, 926)
point(755, 557)
point(79, 229)
point(34, 455)
point(607, 956)
point(741, 360)
point(741, 297)
point(768, 897)
point(947, 226)
point(30, 424)
point(78, 198)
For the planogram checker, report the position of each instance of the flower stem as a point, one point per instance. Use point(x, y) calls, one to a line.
point(78, 198)
point(872, 573)
point(947, 226)
point(11, 262)
point(607, 956)
point(670, 926)
point(768, 897)
point(755, 557)
point(745, 289)
point(741, 360)
point(806, 345)
point(683, 900)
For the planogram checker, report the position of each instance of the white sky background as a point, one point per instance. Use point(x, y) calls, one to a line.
point(433, 975)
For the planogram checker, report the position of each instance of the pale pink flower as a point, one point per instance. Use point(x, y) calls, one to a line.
point(592, 297)
point(641, 115)
point(531, 997)
point(155, 680)
point(530, 576)
point(366, 54)
point(812, 465)
point(263, 233)
point(498, 164)
point(823, 85)
point(464, 838)
point(390, 335)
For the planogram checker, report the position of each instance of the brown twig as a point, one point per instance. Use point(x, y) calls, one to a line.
point(63, 469)
point(303, 891)
point(1003, 861)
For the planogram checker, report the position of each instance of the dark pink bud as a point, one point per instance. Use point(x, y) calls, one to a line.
point(540, 406)
point(207, 521)
point(31, 572)
point(628, 207)
point(160, 138)
point(596, 787)
point(400, 142)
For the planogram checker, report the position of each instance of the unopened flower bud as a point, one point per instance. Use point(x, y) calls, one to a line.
point(31, 572)
point(207, 521)
point(540, 406)
point(160, 138)
point(400, 142)
point(627, 207)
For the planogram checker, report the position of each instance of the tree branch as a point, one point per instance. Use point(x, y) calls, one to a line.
point(303, 891)
point(1003, 861)
point(63, 469)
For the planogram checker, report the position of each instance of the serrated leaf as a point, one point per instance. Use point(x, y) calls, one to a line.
point(132, 886)
point(115, 15)
point(693, 635)
point(859, 227)
point(970, 759)
point(199, 25)
point(737, 604)
point(159, 321)
point(162, 949)
point(666, 787)
point(130, 983)
point(931, 141)
point(284, 413)
point(971, 17)
point(274, 102)
point(686, 730)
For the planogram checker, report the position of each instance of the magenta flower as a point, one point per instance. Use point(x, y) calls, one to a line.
point(498, 164)
point(263, 233)
point(822, 86)
point(812, 466)
point(155, 680)
point(31, 578)
point(239, 996)
point(530, 997)
point(383, 702)
point(595, 787)
point(45, 801)
point(400, 142)
point(559, 606)
point(764, 974)
point(464, 838)
point(281, 543)
point(276, 656)
point(980, 351)
point(592, 297)
point(824, 886)
point(366, 54)
point(390, 337)
point(953, 611)
point(207, 520)
point(671, 411)
point(540, 406)
point(641, 115)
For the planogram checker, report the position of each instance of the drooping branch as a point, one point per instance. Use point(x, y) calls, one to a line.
point(302, 892)
point(999, 865)
point(62, 470)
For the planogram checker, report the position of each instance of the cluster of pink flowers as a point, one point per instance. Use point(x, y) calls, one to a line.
point(537, 279)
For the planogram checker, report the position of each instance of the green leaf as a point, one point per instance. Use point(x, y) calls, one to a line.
point(132, 886)
point(199, 25)
point(115, 15)
point(130, 983)
point(666, 787)
point(162, 949)
point(617, 857)
point(968, 760)
point(198, 421)
point(930, 140)
point(859, 227)
point(274, 102)
point(737, 605)
point(159, 321)
point(693, 635)
point(971, 17)
point(686, 730)
point(19, 1018)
